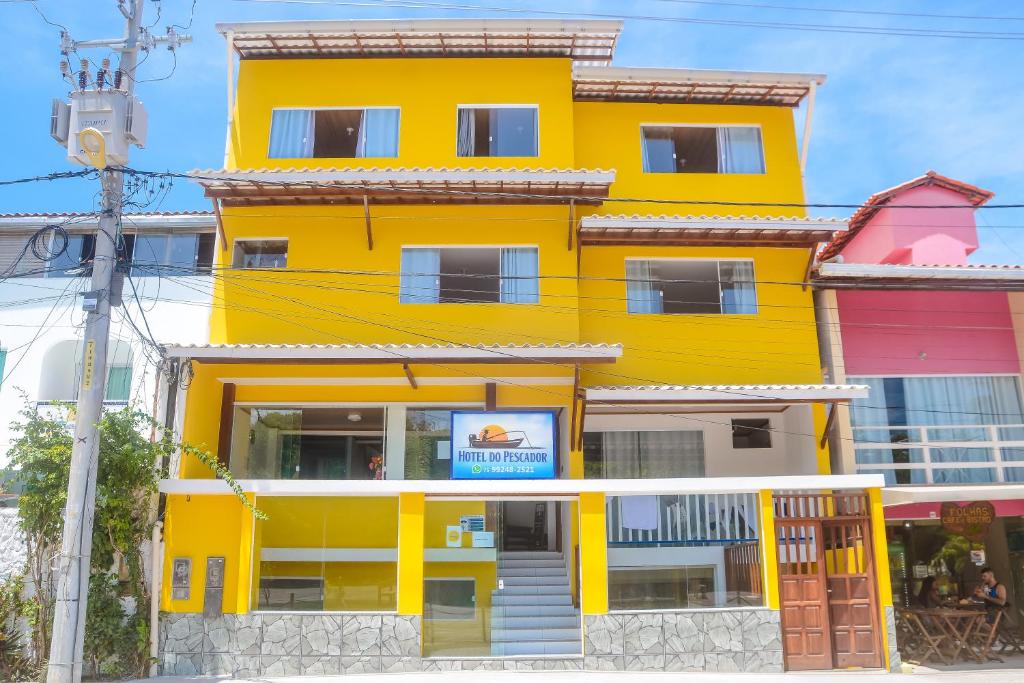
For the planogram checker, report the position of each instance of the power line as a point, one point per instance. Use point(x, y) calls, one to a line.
point(56, 175)
point(831, 10)
point(369, 186)
point(790, 26)
point(593, 370)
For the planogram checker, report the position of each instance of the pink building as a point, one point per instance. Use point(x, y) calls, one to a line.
point(938, 341)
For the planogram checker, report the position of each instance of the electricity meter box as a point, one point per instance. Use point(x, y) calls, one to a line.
point(120, 118)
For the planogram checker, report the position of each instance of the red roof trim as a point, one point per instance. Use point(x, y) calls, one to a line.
point(974, 194)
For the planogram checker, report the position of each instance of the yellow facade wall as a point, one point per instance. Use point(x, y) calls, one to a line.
point(429, 94)
point(778, 345)
point(199, 527)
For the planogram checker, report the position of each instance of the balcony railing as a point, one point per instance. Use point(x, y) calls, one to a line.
point(690, 520)
point(942, 454)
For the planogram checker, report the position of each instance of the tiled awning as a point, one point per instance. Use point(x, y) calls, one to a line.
point(707, 230)
point(890, 276)
point(691, 86)
point(584, 41)
point(261, 187)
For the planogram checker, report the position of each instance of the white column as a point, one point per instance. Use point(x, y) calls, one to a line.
point(394, 442)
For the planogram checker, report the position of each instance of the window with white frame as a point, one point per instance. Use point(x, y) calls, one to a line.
point(507, 275)
point(940, 429)
point(260, 254)
point(334, 133)
point(171, 254)
point(508, 131)
point(690, 286)
point(702, 149)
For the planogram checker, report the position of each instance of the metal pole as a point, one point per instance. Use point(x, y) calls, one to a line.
point(73, 565)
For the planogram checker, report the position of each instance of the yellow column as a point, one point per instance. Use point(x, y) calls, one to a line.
point(575, 472)
point(881, 548)
point(411, 508)
point(593, 553)
point(576, 464)
point(769, 549)
point(246, 549)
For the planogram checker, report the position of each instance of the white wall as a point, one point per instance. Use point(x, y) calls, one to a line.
point(793, 443)
point(30, 325)
point(12, 544)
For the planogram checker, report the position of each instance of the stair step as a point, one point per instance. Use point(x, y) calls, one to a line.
point(537, 647)
point(562, 580)
point(527, 564)
point(500, 598)
point(515, 611)
point(534, 620)
point(554, 589)
point(517, 635)
point(531, 571)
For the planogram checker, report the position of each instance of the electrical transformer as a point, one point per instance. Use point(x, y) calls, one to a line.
point(119, 117)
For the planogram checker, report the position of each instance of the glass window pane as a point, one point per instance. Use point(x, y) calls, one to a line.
point(961, 454)
point(308, 443)
point(659, 150)
point(969, 400)
point(449, 599)
point(964, 475)
point(428, 443)
point(1011, 433)
point(1015, 474)
point(181, 254)
point(513, 132)
point(739, 294)
point(897, 477)
point(1012, 454)
point(296, 593)
point(952, 434)
point(261, 254)
point(888, 456)
point(887, 435)
point(119, 383)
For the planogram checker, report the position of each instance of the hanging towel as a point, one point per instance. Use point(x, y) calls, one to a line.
point(640, 512)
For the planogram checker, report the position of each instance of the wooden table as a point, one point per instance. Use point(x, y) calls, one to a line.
point(946, 632)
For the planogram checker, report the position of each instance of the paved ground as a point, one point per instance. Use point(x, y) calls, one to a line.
point(920, 675)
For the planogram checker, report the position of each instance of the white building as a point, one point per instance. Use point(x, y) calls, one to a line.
point(166, 258)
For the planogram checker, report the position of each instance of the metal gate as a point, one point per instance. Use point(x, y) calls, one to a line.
point(829, 599)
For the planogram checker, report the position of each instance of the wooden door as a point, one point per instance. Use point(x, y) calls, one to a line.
point(806, 641)
point(852, 598)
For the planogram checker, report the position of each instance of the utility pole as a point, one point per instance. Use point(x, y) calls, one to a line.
point(101, 137)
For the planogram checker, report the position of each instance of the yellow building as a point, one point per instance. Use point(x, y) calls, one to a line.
point(513, 351)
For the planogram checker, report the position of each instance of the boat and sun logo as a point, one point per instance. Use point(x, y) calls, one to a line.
point(503, 445)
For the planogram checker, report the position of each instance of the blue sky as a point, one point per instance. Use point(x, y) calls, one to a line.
point(893, 106)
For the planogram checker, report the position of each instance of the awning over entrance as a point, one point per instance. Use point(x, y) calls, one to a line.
point(404, 354)
point(708, 230)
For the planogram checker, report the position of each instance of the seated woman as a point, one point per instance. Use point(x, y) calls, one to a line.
point(928, 597)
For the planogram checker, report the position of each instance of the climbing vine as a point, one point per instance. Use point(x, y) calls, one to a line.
point(130, 466)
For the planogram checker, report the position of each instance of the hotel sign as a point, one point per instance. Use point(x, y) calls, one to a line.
point(503, 445)
point(970, 520)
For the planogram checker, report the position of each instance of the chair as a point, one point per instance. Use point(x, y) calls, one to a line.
point(920, 643)
point(985, 634)
point(1010, 636)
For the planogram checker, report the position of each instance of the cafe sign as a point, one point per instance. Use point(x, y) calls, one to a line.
point(970, 520)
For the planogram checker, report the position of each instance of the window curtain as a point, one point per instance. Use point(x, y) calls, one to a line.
point(291, 134)
point(467, 133)
point(420, 282)
point(519, 276)
point(119, 383)
point(378, 136)
point(659, 152)
point(962, 400)
point(672, 454)
point(513, 132)
point(620, 452)
point(641, 295)
point(739, 150)
point(739, 294)
point(869, 411)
